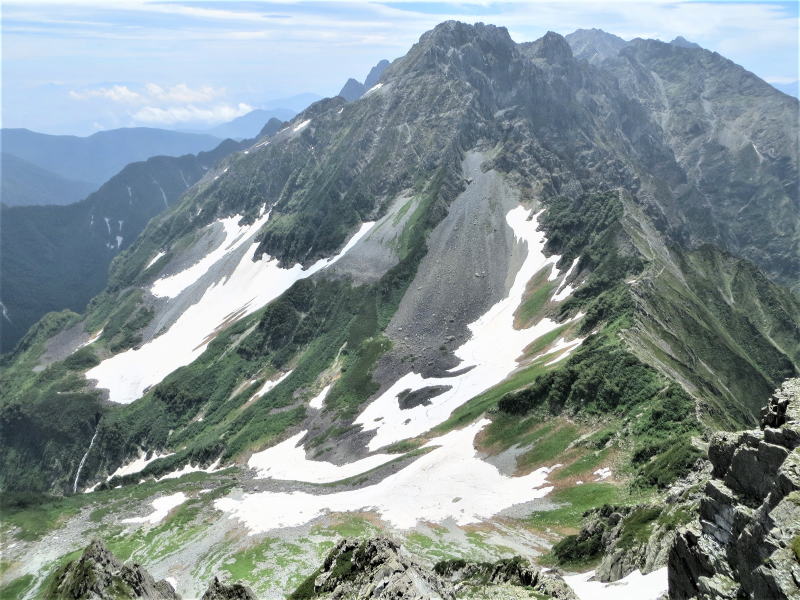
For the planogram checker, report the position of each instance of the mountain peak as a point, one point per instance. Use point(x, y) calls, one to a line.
point(682, 42)
point(594, 45)
point(455, 34)
point(375, 73)
point(551, 47)
point(354, 89)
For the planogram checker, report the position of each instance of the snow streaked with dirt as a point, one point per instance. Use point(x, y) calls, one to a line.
point(188, 468)
point(565, 347)
point(251, 285)
point(92, 339)
point(161, 507)
point(137, 465)
point(235, 235)
point(566, 289)
point(287, 461)
point(449, 482)
point(301, 125)
point(633, 587)
point(318, 401)
point(490, 354)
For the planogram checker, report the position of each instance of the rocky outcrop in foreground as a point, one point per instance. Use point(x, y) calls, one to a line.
point(499, 578)
point(221, 591)
point(746, 543)
point(99, 575)
point(377, 569)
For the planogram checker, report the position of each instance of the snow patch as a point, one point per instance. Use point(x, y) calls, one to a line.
point(163, 195)
point(423, 491)
point(155, 259)
point(108, 224)
point(235, 236)
point(491, 351)
point(119, 241)
point(83, 460)
point(270, 385)
point(318, 401)
point(92, 339)
point(301, 125)
point(188, 468)
point(136, 465)
point(251, 285)
point(374, 88)
point(568, 346)
point(161, 507)
point(288, 461)
point(633, 587)
point(566, 289)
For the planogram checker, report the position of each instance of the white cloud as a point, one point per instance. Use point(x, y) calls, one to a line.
point(116, 93)
point(155, 104)
point(190, 113)
point(182, 93)
point(152, 94)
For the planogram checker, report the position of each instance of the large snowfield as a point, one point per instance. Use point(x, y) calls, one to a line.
point(251, 286)
point(449, 482)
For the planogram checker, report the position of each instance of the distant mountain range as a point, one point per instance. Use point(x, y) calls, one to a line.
point(94, 159)
point(24, 184)
point(57, 257)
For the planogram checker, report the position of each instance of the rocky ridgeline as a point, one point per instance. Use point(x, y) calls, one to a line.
point(377, 569)
point(746, 543)
point(99, 575)
point(371, 569)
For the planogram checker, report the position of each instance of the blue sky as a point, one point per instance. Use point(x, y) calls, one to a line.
point(82, 65)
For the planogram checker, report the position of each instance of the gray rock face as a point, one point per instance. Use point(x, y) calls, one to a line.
point(99, 575)
point(375, 568)
point(220, 591)
point(497, 576)
point(745, 544)
point(732, 136)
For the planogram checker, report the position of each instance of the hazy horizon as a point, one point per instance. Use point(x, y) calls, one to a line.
point(198, 64)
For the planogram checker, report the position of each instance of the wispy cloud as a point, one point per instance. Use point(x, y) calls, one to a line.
point(190, 113)
point(115, 93)
point(167, 105)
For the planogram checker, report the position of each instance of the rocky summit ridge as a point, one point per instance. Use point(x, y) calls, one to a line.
point(746, 543)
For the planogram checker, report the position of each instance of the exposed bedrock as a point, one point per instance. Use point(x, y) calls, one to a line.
point(377, 568)
point(746, 543)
